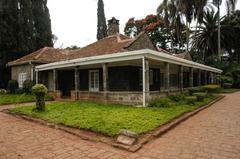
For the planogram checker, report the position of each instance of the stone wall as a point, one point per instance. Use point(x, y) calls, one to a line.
point(56, 94)
point(128, 98)
point(21, 69)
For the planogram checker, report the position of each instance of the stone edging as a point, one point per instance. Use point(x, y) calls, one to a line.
point(146, 138)
point(96, 137)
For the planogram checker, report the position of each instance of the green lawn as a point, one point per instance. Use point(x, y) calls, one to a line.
point(17, 98)
point(108, 119)
point(229, 90)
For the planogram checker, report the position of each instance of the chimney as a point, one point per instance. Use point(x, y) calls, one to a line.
point(113, 26)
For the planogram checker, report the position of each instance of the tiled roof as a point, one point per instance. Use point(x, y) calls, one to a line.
point(44, 55)
point(111, 44)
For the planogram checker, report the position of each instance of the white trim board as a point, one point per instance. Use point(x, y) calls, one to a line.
point(126, 56)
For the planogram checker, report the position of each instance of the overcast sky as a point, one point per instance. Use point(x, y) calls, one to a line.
point(74, 22)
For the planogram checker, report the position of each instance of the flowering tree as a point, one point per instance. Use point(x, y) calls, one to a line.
point(155, 26)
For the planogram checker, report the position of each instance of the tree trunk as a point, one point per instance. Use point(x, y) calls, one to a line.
point(219, 34)
point(187, 36)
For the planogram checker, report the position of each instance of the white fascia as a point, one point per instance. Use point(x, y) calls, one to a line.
point(126, 56)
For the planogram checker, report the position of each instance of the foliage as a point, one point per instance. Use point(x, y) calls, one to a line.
point(212, 88)
point(177, 98)
point(153, 25)
point(190, 99)
point(25, 27)
point(3, 91)
point(12, 86)
point(102, 26)
point(195, 90)
point(19, 98)
point(108, 119)
point(161, 103)
point(227, 85)
point(40, 92)
point(73, 47)
point(27, 86)
point(226, 79)
point(236, 78)
point(200, 96)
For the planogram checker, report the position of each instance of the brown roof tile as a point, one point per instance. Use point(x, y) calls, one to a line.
point(112, 44)
point(109, 45)
point(44, 55)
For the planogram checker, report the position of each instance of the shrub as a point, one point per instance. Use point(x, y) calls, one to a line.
point(227, 85)
point(160, 103)
point(191, 99)
point(40, 91)
point(194, 90)
point(236, 78)
point(177, 98)
point(212, 88)
point(27, 86)
point(12, 86)
point(3, 91)
point(200, 96)
point(226, 79)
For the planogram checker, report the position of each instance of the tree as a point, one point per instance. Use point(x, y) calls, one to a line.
point(102, 26)
point(205, 39)
point(42, 23)
point(230, 7)
point(24, 27)
point(153, 25)
point(231, 31)
point(172, 19)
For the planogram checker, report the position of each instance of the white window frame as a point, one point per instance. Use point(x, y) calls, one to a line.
point(22, 77)
point(94, 85)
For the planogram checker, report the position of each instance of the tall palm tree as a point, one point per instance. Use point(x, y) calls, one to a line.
point(230, 7)
point(174, 11)
point(187, 9)
point(206, 35)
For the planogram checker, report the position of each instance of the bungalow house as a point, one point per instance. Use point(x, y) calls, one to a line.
point(115, 69)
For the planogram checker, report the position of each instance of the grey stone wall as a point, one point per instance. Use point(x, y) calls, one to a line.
point(15, 70)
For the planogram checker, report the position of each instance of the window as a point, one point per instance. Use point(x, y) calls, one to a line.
point(22, 77)
point(162, 79)
point(94, 80)
point(173, 80)
point(151, 81)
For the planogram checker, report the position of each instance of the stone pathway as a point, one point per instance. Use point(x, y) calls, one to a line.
point(212, 134)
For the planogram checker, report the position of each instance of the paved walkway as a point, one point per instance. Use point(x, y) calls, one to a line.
point(212, 134)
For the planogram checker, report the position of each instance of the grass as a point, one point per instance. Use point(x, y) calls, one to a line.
point(228, 90)
point(17, 98)
point(108, 119)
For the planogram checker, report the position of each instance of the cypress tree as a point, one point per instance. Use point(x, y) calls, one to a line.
point(102, 26)
point(25, 26)
point(42, 24)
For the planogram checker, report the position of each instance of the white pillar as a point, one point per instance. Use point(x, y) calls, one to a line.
point(105, 80)
point(145, 73)
point(37, 80)
point(206, 78)
point(55, 77)
point(181, 77)
point(76, 77)
point(166, 77)
point(191, 77)
point(212, 78)
point(199, 78)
